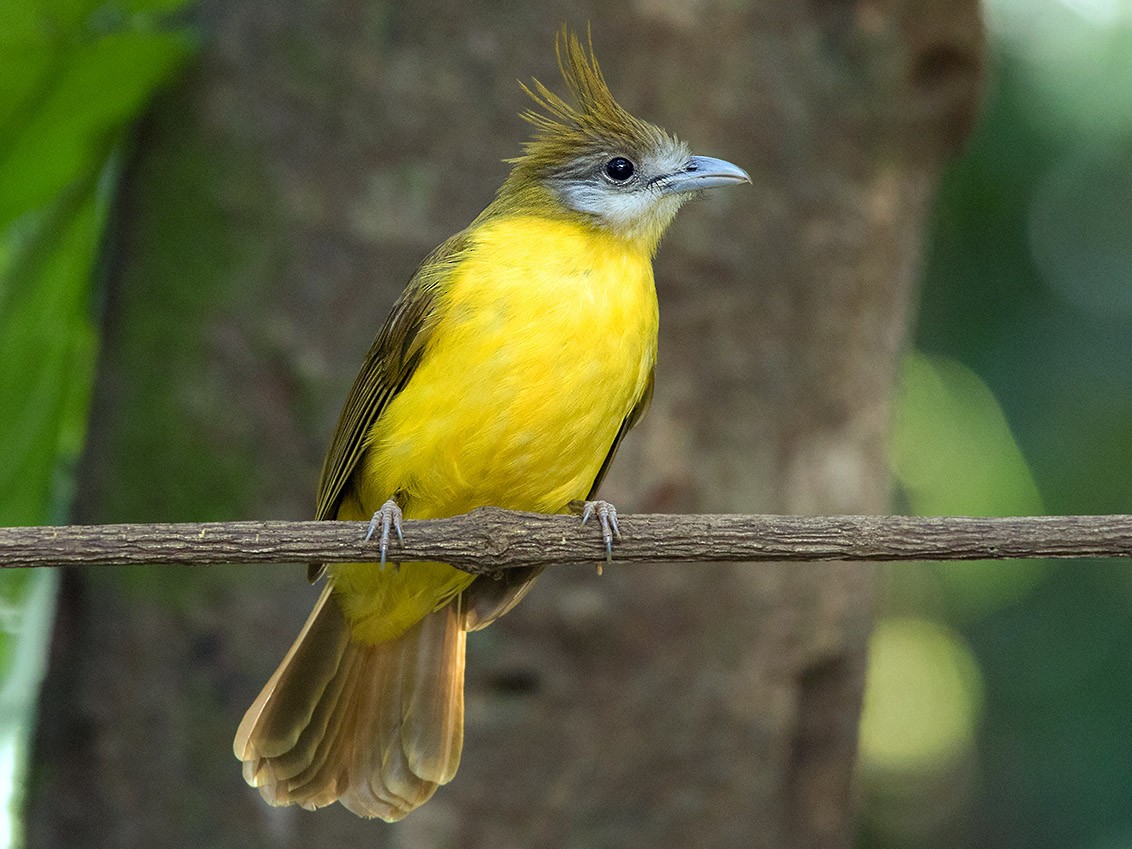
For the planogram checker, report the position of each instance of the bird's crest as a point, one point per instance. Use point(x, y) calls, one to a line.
point(597, 122)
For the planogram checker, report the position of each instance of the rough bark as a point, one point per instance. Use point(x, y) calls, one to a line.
point(489, 541)
point(280, 199)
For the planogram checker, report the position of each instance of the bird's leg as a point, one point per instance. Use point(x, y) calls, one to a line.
point(606, 515)
point(388, 516)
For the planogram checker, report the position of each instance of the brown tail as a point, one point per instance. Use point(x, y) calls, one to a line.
point(376, 728)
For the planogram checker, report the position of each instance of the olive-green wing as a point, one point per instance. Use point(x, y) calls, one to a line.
point(388, 365)
point(635, 415)
point(490, 596)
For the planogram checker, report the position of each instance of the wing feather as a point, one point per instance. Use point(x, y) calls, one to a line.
point(389, 364)
point(635, 415)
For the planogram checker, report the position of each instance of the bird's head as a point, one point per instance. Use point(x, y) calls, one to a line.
point(596, 161)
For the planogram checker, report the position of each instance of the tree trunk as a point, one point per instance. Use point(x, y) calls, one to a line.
point(280, 199)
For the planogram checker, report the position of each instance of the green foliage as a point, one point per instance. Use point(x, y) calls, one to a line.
point(1026, 312)
point(47, 346)
point(95, 90)
point(953, 454)
point(76, 74)
point(945, 405)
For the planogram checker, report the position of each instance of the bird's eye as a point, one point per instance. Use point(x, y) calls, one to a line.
point(619, 169)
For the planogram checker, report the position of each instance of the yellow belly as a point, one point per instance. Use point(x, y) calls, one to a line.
point(544, 341)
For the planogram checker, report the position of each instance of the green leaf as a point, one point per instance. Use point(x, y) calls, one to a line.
point(153, 6)
point(70, 127)
point(36, 37)
point(47, 348)
point(69, 88)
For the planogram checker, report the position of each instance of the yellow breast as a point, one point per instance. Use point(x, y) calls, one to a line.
point(543, 341)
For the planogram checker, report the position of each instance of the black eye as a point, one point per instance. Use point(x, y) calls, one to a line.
point(619, 168)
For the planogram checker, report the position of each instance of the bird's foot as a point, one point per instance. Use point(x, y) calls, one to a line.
point(388, 516)
point(606, 515)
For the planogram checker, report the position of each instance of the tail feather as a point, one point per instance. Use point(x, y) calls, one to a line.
point(431, 711)
point(489, 598)
point(375, 727)
point(299, 765)
point(378, 780)
point(322, 780)
point(297, 685)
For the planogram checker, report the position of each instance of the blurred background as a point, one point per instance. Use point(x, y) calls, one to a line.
point(997, 705)
point(1012, 682)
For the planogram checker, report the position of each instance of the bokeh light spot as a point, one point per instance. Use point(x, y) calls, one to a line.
point(923, 697)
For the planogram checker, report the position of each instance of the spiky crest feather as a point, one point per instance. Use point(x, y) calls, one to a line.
point(598, 123)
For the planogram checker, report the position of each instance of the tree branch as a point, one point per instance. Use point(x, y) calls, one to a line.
point(490, 540)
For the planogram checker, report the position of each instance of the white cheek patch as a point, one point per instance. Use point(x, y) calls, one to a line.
point(616, 206)
point(629, 209)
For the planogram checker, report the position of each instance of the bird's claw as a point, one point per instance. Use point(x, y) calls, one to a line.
point(607, 517)
point(388, 516)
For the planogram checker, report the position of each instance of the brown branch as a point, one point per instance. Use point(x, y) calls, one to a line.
point(490, 540)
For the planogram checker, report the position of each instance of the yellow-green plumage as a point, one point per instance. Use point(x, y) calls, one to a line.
point(518, 357)
point(545, 341)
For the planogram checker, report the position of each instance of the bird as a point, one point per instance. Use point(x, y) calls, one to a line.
point(519, 355)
